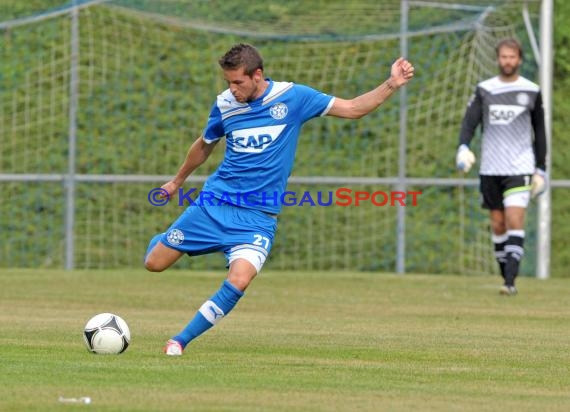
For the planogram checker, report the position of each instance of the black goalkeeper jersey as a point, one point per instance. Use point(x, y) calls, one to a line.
point(512, 120)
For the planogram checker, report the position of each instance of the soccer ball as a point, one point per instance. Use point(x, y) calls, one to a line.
point(107, 333)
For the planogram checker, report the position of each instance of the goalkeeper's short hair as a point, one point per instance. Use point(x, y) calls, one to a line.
point(511, 43)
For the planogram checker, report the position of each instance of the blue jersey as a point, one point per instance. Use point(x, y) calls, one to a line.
point(261, 140)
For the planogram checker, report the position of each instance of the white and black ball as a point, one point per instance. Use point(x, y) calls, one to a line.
point(107, 333)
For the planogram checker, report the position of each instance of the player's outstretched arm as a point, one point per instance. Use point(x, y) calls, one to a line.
point(401, 73)
point(197, 155)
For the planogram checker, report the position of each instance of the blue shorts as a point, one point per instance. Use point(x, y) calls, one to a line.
point(238, 232)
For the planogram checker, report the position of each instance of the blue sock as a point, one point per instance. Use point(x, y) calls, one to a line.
point(210, 313)
point(152, 244)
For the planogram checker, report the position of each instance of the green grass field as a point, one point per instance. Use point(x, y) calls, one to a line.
point(297, 342)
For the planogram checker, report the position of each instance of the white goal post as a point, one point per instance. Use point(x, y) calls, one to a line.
point(546, 70)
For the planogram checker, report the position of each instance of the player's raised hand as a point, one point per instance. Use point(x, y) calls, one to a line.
point(402, 72)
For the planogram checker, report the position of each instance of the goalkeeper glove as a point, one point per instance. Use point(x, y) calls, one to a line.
point(539, 183)
point(464, 159)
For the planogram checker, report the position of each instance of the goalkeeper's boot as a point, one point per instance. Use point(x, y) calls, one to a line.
point(173, 348)
point(508, 290)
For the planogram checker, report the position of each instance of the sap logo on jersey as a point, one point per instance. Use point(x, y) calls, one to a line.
point(504, 114)
point(254, 140)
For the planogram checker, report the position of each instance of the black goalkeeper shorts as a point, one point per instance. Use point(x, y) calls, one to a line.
point(495, 188)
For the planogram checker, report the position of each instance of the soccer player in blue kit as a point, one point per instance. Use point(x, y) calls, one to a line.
point(261, 120)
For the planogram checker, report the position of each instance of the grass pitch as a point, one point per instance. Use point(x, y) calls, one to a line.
point(302, 341)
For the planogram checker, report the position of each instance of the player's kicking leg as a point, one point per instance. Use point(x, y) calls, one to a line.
point(245, 236)
point(240, 275)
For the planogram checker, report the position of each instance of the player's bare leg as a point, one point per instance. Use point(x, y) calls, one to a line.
point(514, 217)
point(161, 257)
point(241, 274)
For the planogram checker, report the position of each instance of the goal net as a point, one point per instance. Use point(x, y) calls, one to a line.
point(146, 75)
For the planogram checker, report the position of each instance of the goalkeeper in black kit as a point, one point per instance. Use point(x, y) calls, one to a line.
point(513, 154)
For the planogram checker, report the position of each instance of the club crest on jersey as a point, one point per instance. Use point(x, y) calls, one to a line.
point(504, 114)
point(278, 111)
point(523, 99)
point(254, 140)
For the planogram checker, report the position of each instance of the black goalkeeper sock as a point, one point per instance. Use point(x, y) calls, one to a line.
point(514, 250)
point(499, 241)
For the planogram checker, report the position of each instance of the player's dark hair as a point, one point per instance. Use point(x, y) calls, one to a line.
point(511, 44)
point(242, 55)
